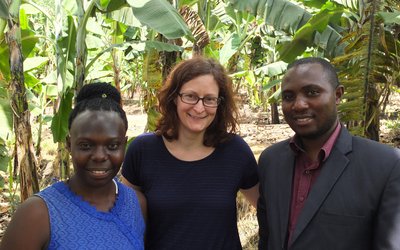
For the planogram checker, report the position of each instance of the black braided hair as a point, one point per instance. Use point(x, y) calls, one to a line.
point(99, 96)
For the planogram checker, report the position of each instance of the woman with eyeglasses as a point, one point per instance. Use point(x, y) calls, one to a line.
point(193, 166)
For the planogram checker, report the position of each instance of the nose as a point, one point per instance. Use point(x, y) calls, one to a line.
point(199, 106)
point(99, 154)
point(300, 103)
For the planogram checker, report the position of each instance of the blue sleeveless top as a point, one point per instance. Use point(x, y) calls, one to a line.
point(75, 224)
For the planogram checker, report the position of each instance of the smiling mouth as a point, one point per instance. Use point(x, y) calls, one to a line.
point(302, 120)
point(197, 117)
point(99, 172)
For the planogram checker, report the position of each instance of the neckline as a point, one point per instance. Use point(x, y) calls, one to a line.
point(86, 206)
point(185, 161)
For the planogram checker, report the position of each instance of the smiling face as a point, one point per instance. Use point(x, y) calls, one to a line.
point(97, 146)
point(196, 118)
point(309, 101)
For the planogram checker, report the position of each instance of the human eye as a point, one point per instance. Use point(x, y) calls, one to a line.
point(190, 98)
point(113, 146)
point(312, 92)
point(287, 97)
point(210, 100)
point(85, 146)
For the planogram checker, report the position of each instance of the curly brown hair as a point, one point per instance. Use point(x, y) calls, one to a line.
point(225, 123)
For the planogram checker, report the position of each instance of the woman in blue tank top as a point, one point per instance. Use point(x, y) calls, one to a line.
point(91, 210)
point(192, 168)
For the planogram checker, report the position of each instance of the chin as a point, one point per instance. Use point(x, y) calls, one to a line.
point(307, 133)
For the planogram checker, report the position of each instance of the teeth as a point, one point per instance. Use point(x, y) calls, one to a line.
point(98, 171)
point(196, 117)
point(302, 119)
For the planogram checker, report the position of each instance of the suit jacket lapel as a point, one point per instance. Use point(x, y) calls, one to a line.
point(330, 173)
point(285, 192)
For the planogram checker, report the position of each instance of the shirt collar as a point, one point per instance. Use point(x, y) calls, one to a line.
point(296, 146)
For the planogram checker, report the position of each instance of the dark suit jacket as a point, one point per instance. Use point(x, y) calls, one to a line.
point(353, 205)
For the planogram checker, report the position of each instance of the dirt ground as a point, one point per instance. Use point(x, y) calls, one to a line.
point(255, 131)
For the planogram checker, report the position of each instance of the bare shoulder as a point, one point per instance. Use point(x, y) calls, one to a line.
point(29, 227)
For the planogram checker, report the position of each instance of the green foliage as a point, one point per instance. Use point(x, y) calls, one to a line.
point(308, 30)
point(171, 25)
point(351, 4)
point(160, 46)
point(231, 47)
point(6, 124)
point(59, 124)
point(3, 10)
point(152, 118)
point(368, 71)
point(255, 7)
point(394, 125)
point(390, 17)
point(28, 43)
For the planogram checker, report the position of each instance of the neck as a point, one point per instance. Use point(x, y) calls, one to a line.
point(190, 140)
point(312, 146)
point(188, 148)
point(103, 198)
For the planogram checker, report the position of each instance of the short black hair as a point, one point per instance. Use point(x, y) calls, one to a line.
point(327, 66)
point(98, 96)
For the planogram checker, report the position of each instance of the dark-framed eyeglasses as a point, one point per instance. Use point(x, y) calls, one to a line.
point(208, 101)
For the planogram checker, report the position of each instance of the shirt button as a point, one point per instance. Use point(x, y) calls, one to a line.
point(307, 172)
point(301, 198)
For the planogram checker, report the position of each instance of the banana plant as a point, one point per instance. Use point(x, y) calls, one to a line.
point(171, 26)
point(135, 13)
point(370, 68)
point(23, 154)
point(318, 29)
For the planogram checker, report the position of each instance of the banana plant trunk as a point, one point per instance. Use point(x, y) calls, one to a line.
point(24, 156)
point(372, 97)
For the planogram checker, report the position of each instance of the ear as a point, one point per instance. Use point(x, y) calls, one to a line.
point(68, 142)
point(339, 93)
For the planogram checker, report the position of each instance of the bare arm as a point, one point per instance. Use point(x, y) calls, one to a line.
point(251, 194)
point(139, 194)
point(29, 228)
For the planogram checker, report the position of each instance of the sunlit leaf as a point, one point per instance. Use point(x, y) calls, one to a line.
point(160, 16)
point(6, 117)
point(272, 69)
point(390, 17)
point(34, 62)
point(59, 124)
point(229, 49)
point(160, 46)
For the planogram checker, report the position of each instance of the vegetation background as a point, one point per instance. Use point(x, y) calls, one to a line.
point(50, 48)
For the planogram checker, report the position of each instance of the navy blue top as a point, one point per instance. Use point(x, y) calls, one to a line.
point(191, 204)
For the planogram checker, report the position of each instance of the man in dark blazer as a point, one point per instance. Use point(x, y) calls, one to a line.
point(324, 188)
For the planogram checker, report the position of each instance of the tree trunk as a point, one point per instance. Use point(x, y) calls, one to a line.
point(25, 159)
point(372, 114)
point(371, 126)
point(116, 68)
point(81, 53)
point(274, 110)
point(274, 113)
